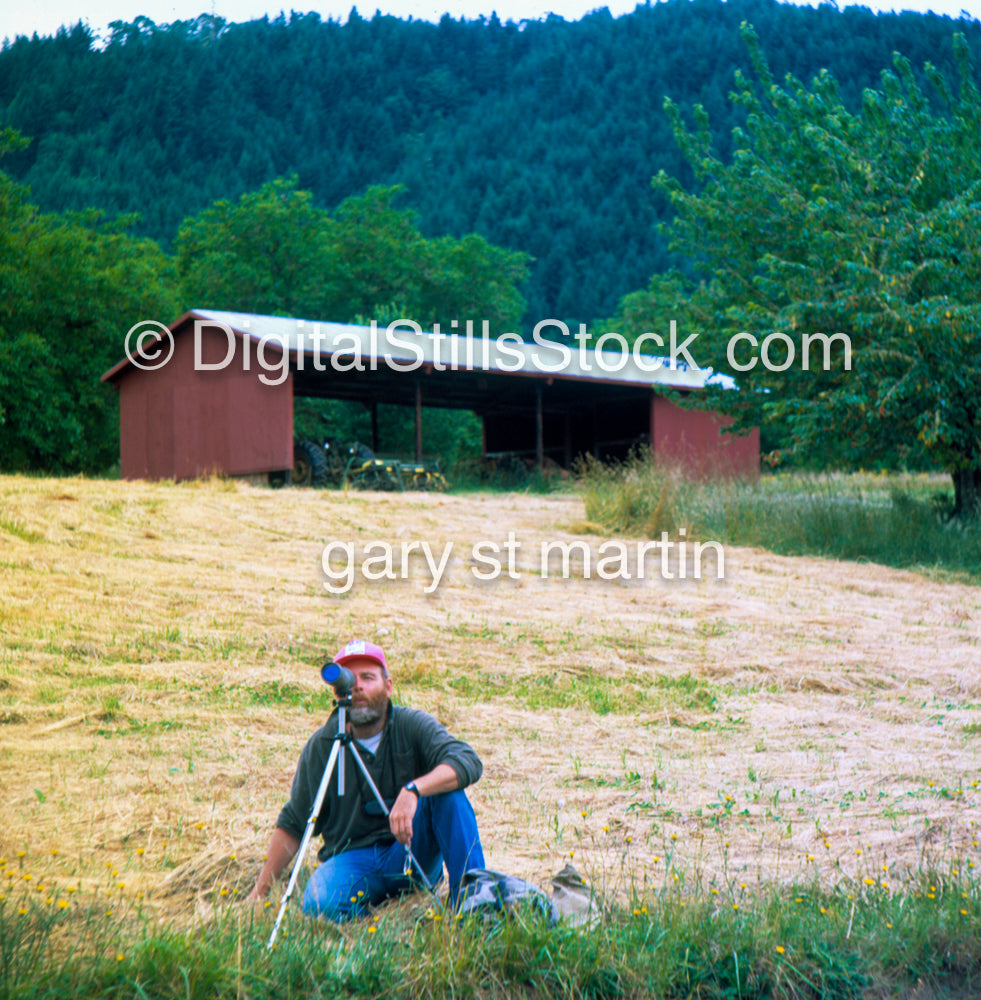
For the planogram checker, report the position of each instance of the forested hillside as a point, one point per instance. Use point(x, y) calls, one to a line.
point(542, 137)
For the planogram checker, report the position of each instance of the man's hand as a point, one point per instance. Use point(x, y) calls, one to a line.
point(401, 816)
point(282, 849)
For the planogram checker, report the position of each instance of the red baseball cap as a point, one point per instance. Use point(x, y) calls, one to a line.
point(361, 648)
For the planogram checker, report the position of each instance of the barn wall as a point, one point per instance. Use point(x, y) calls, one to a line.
point(691, 438)
point(178, 422)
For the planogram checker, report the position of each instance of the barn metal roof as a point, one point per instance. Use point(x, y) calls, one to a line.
point(470, 370)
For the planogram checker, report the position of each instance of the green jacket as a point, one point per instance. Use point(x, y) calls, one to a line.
point(412, 744)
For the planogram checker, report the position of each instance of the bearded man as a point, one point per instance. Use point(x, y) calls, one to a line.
point(419, 769)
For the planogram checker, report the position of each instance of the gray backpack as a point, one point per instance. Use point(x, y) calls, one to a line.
point(486, 893)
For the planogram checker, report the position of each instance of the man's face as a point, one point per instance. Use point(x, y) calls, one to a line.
point(372, 690)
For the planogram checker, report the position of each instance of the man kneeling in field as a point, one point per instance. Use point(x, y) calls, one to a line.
point(420, 771)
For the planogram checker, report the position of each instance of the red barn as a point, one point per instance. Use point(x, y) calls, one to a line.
point(214, 393)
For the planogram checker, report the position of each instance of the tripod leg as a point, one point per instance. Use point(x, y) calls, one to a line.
point(385, 810)
point(305, 842)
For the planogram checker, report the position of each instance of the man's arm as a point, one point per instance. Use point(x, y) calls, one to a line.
point(282, 849)
point(442, 778)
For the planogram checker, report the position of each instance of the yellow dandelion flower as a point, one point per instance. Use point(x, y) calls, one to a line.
point(266, 905)
point(62, 904)
point(141, 851)
point(780, 949)
point(200, 826)
point(48, 901)
point(224, 892)
point(810, 857)
point(119, 958)
point(964, 913)
point(735, 906)
point(869, 881)
point(54, 852)
point(21, 854)
point(372, 929)
point(889, 926)
point(584, 814)
point(22, 911)
point(628, 838)
point(636, 912)
point(799, 899)
point(823, 910)
point(120, 886)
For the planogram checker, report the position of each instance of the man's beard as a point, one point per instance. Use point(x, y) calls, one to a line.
point(364, 715)
point(369, 713)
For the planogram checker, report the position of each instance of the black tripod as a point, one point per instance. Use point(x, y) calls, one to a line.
point(343, 683)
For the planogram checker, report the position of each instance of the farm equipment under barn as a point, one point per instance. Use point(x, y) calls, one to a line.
point(357, 466)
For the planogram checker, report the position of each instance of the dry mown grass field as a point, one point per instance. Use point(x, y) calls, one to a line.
point(159, 654)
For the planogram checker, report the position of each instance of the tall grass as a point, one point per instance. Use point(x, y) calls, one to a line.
point(783, 943)
point(899, 521)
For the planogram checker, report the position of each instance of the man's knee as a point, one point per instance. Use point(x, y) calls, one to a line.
point(332, 897)
point(450, 807)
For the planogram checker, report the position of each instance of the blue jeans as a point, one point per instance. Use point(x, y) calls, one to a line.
point(443, 828)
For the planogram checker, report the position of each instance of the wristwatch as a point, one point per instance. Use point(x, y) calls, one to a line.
point(411, 787)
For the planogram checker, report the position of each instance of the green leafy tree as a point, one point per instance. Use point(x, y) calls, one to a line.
point(865, 224)
point(274, 252)
point(70, 288)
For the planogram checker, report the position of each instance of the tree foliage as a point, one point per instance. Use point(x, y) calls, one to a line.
point(540, 137)
point(864, 223)
point(273, 251)
point(67, 287)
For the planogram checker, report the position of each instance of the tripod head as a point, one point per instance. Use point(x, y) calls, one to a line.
point(340, 679)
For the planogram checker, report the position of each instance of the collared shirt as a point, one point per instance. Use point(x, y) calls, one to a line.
point(412, 744)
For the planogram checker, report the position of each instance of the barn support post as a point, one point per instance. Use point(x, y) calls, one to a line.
point(567, 440)
point(650, 428)
point(539, 429)
point(418, 420)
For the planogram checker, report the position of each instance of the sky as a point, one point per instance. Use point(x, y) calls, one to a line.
point(46, 16)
